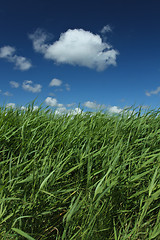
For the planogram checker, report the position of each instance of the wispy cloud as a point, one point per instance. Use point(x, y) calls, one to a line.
point(106, 29)
point(70, 104)
point(76, 47)
point(67, 87)
point(39, 38)
point(153, 92)
point(55, 82)
point(8, 94)
point(27, 85)
point(14, 84)
point(93, 105)
point(21, 63)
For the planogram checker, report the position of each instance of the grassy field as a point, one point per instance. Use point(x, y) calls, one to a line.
point(79, 177)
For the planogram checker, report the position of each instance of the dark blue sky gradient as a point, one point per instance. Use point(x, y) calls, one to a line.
point(135, 34)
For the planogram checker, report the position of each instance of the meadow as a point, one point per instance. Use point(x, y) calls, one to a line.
point(84, 177)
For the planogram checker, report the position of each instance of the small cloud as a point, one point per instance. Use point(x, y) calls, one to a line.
point(26, 108)
point(106, 29)
point(58, 90)
point(39, 37)
point(14, 84)
point(115, 109)
point(76, 111)
point(147, 94)
point(70, 104)
point(61, 110)
point(52, 102)
point(11, 105)
point(8, 94)
point(93, 105)
point(153, 92)
point(55, 82)
point(21, 63)
point(51, 94)
point(23, 108)
point(67, 87)
point(27, 85)
point(7, 52)
point(76, 47)
point(35, 108)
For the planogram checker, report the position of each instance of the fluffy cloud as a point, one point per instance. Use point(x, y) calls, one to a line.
point(76, 47)
point(7, 52)
point(93, 105)
point(21, 63)
point(52, 102)
point(27, 85)
point(14, 84)
point(153, 92)
point(115, 109)
point(55, 82)
point(60, 111)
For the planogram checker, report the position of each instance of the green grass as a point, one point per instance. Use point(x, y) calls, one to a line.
point(79, 177)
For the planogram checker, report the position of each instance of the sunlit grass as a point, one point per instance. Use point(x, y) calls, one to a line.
point(79, 177)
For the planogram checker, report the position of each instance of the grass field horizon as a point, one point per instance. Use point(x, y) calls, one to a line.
point(91, 175)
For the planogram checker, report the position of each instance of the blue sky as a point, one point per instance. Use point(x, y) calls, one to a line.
point(93, 53)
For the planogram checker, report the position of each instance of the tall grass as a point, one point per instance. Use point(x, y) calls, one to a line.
point(79, 177)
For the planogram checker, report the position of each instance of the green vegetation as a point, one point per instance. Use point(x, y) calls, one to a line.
point(79, 177)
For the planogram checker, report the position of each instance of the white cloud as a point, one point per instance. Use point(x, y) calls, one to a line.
point(14, 84)
point(76, 111)
point(21, 63)
point(26, 108)
point(61, 110)
point(55, 82)
point(153, 92)
point(93, 105)
point(106, 29)
point(7, 52)
point(115, 109)
point(52, 102)
point(27, 85)
point(11, 105)
point(76, 47)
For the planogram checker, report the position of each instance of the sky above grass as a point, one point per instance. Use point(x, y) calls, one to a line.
point(80, 54)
